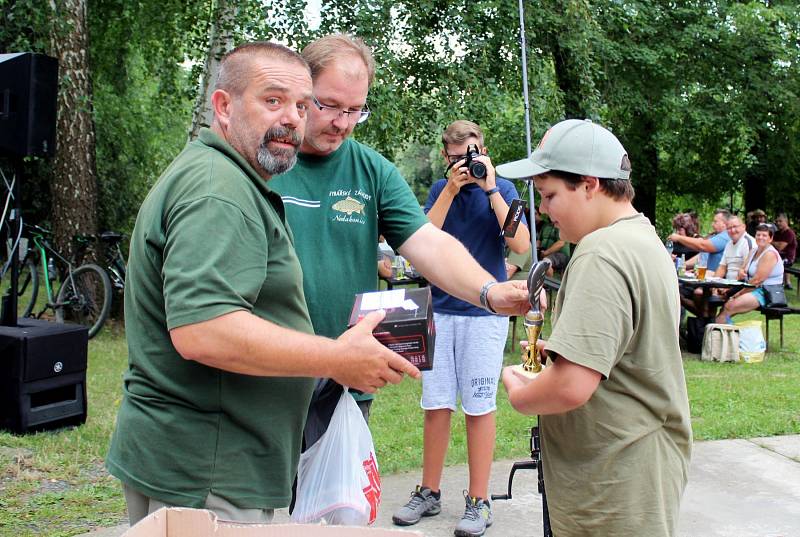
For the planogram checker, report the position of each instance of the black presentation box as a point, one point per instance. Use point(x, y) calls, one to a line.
point(42, 375)
point(408, 326)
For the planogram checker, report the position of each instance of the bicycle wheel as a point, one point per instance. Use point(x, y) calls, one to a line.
point(27, 288)
point(85, 298)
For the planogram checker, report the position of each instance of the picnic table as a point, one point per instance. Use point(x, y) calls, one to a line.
point(710, 302)
point(405, 280)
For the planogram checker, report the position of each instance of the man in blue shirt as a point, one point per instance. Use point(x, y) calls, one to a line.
point(714, 244)
point(472, 206)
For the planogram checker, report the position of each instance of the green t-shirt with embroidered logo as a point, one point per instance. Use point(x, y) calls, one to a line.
point(209, 239)
point(336, 206)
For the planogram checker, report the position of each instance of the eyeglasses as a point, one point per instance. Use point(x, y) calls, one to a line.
point(734, 228)
point(353, 116)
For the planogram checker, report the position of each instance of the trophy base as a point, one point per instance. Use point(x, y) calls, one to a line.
point(521, 371)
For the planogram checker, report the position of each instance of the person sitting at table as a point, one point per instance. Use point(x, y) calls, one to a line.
point(763, 267)
point(385, 259)
point(736, 251)
point(785, 241)
point(553, 247)
point(518, 265)
point(754, 218)
point(733, 258)
point(684, 224)
point(714, 244)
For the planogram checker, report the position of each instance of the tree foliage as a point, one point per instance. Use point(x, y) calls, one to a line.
point(703, 93)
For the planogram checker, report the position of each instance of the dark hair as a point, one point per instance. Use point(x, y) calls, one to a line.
point(234, 72)
point(769, 228)
point(686, 222)
point(617, 189)
point(726, 214)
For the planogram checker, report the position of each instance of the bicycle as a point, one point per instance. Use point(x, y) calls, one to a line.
point(114, 260)
point(84, 296)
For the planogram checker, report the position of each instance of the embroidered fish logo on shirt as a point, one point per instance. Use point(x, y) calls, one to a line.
point(349, 206)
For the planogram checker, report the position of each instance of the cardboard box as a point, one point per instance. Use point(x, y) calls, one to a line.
point(407, 328)
point(183, 522)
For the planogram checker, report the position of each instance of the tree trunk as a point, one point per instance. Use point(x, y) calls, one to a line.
point(73, 188)
point(219, 43)
point(645, 165)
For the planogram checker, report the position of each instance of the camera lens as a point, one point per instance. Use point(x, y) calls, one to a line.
point(477, 169)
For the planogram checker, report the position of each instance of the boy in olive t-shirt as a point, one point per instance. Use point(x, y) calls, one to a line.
point(614, 413)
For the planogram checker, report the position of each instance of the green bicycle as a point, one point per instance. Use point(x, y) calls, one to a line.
point(84, 295)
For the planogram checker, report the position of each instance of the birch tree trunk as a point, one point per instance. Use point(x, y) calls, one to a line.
point(73, 187)
point(219, 43)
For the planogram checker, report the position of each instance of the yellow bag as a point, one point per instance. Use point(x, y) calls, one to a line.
point(752, 345)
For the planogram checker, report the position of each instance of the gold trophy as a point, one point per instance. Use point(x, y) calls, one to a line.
point(531, 360)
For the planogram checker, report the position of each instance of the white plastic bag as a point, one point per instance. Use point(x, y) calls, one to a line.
point(337, 478)
point(752, 345)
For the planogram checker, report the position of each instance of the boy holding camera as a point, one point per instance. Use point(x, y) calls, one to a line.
point(613, 411)
point(471, 204)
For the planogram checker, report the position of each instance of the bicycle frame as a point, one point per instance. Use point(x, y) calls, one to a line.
point(43, 247)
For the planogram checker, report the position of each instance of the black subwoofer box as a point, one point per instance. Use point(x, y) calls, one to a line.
point(28, 92)
point(42, 375)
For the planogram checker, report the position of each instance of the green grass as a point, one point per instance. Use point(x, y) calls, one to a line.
point(54, 483)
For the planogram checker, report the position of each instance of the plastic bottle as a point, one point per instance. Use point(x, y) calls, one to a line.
point(51, 269)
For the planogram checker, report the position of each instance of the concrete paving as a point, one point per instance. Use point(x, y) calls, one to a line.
point(737, 488)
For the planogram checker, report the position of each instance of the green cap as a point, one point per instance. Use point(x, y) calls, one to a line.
point(575, 146)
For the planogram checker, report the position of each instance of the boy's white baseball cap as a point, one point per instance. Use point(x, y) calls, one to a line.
point(575, 146)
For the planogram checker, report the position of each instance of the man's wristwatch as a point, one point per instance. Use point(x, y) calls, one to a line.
point(484, 296)
point(490, 192)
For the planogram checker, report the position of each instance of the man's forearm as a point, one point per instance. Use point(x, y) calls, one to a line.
point(444, 261)
point(561, 387)
point(695, 243)
point(438, 212)
point(555, 247)
point(241, 342)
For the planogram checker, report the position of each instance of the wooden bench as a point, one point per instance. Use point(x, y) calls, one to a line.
point(772, 314)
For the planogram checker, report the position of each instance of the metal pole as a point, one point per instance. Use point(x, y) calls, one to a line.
point(526, 100)
point(534, 255)
point(8, 315)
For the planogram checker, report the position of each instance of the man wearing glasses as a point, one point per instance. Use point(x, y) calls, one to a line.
point(736, 251)
point(342, 194)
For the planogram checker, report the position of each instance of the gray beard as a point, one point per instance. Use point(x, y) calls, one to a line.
point(279, 160)
point(274, 163)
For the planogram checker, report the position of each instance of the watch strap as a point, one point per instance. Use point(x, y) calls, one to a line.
point(484, 296)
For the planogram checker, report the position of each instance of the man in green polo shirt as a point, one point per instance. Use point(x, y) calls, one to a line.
point(342, 194)
point(220, 342)
point(614, 414)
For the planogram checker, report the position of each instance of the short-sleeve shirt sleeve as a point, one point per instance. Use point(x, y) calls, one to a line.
point(203, 282)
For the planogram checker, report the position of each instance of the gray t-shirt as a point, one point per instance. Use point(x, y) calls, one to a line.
point(734, 255)
point(618, 464)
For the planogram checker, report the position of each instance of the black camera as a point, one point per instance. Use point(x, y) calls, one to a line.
point(477, 169)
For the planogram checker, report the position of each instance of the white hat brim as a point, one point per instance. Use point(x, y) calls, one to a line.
point(520, 169)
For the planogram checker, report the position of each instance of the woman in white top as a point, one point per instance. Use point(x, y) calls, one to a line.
point(763, 267)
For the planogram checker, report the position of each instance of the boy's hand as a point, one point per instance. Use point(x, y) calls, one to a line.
point(457, 177)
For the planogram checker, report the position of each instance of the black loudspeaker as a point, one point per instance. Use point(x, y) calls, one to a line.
point(42, 375)
point(28, 91)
